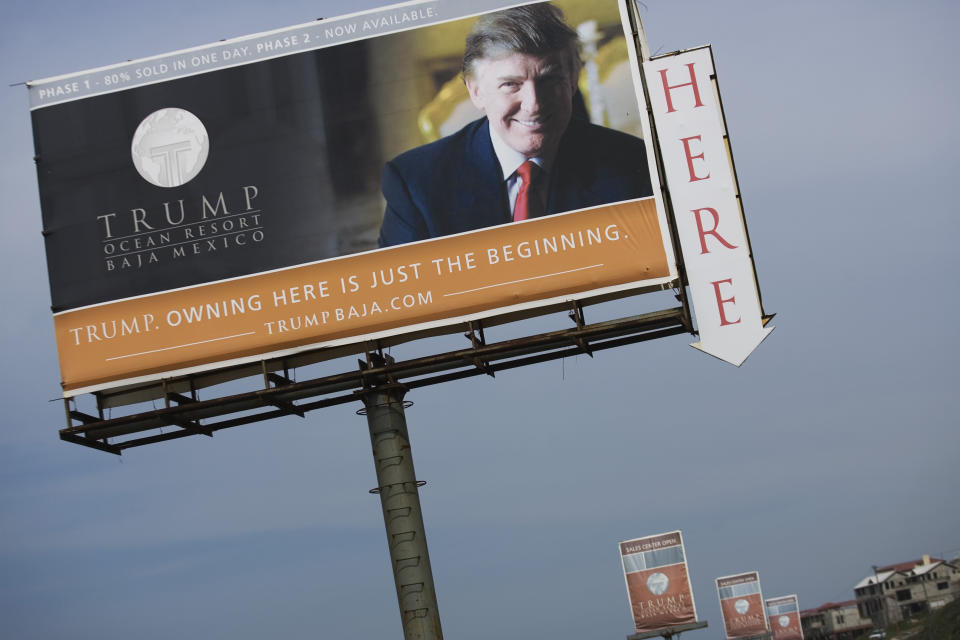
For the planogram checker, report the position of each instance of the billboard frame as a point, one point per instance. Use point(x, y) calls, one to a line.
point(280, 395)
point(652, 543)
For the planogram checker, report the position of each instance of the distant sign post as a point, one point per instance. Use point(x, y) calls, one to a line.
point(658, 585)
point(742, 607)
point(783, 614)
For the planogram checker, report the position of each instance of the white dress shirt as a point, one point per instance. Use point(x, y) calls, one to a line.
point(510, 160)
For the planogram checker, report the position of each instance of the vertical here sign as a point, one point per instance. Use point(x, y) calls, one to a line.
point(706, 207)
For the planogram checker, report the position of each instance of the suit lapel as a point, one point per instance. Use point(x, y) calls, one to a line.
point(572, 181)
point(481, 194)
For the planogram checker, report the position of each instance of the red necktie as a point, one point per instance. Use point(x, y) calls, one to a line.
point(526, 204)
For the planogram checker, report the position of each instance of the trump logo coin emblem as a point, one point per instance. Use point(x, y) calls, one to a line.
point(170, 147)
point(658, 584)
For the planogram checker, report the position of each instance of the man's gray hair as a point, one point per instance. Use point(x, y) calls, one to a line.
point(535, 29)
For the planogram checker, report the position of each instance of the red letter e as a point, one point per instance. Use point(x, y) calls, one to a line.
point(721, 301)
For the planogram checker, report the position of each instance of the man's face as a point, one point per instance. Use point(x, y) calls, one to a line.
point(527, 99)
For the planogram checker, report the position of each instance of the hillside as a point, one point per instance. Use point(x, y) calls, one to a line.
point(942, 625)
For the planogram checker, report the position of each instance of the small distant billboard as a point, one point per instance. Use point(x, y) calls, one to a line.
point(742, 606)
point(783, 614)
point(658, 583)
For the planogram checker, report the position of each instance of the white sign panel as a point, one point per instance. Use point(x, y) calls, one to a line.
point(699, 174)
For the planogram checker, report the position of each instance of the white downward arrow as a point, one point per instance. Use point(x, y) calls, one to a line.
point(705, 202)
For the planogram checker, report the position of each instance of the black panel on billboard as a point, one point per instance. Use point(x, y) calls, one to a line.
point(274, 190)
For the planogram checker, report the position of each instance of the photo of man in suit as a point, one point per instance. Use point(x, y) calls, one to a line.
point(529, 155)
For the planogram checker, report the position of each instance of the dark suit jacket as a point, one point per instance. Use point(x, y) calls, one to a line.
point(455, 184)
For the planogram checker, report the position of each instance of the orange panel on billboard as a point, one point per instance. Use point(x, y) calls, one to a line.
point(363, 295)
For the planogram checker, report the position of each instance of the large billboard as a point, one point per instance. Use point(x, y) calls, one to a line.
point(741, 605)
point(338, 181)
point(783, 615)
point(658, 582)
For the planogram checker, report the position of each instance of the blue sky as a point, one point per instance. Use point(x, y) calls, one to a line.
point(833, 448)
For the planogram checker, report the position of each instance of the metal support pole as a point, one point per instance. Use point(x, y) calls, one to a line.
point(397, 486)
point(669, 632)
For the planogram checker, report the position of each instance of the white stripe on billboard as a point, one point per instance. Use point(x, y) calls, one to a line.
point(324, 32)
point(783, 616)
